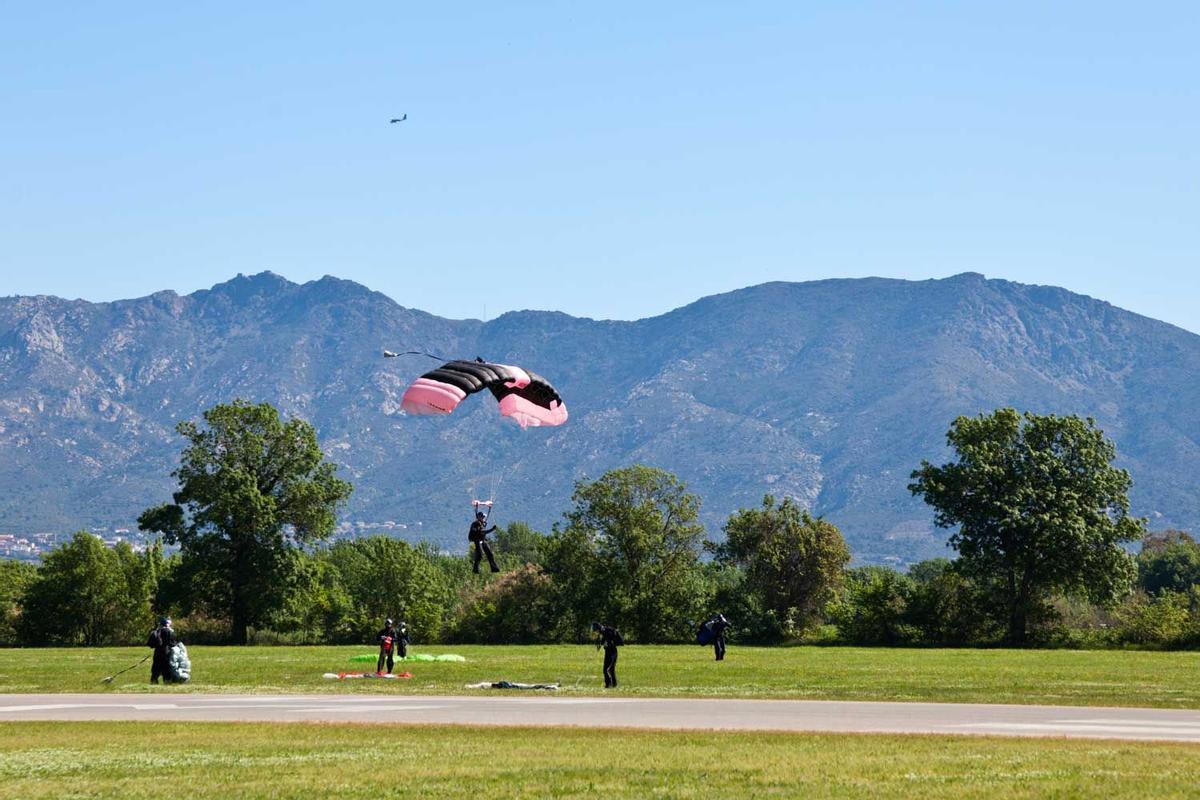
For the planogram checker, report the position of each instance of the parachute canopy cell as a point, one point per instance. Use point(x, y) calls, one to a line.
point(525, 397)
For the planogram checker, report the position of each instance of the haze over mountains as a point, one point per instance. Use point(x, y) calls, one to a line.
point(829, 391)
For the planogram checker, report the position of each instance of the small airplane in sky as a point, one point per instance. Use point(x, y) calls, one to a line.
point(399, 119)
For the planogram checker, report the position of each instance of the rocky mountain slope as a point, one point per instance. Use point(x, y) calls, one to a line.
point(829, 391)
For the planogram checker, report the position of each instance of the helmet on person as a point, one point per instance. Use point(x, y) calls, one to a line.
point(164, 622)
point(595, 626)
point(388, 621)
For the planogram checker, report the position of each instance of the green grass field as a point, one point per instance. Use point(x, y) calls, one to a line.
point(1167, 680)
point(223, 760)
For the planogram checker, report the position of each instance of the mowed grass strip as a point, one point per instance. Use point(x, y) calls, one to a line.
point(1065, 677)
point(248, 760)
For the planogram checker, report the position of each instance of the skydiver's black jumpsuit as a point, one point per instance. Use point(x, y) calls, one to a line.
point(162, 639)
point(478, 535)
point(611, 639)
point(718, 628)
point(392, 641)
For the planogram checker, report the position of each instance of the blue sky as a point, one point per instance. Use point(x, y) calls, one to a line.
point(610, 160)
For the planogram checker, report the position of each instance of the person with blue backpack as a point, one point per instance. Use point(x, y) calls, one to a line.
point(713, 632)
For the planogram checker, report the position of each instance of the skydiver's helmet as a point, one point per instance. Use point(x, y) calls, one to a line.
point(722, 620)
point(596, 626)
point(164, 622)
point(388, 622)
point(479, 515)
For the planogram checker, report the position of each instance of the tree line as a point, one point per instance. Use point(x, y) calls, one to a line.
point(1037, 512)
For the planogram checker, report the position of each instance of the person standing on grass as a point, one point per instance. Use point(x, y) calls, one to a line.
point(162, 639)
point(718, 625)
point(610, 640)
point(392, 639)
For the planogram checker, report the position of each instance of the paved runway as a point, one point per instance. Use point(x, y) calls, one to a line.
point(620, 712)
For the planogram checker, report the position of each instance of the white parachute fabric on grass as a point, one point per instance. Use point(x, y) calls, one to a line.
point(179, 664)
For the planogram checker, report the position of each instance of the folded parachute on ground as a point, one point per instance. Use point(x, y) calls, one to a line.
point(525, 397)
point(179, 666)
point(342, 676)
point(371, 657)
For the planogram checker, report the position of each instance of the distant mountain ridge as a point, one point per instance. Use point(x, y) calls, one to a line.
point(828, 391)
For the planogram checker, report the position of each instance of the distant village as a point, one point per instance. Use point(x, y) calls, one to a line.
point(33, 546)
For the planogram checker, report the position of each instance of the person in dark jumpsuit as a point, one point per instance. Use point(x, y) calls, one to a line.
point(718, 625)
point(393, 641)
point(478, 536)
point(610, 640)
point(162, 639)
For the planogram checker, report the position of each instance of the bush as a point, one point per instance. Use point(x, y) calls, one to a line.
point(516, 607)
point(874, 606)
point(15, 578)
point(946, 607)
point(1165, 620)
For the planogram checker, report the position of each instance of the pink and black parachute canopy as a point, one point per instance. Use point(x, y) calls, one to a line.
point(525, 397)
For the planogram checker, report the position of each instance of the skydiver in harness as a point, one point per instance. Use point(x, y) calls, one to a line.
point(478, 536)
point(392, 640)
point(718, 625)
point(162, 639)
point(610, 640)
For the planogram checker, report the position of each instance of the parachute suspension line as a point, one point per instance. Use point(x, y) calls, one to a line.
point(497, 480)
point(390, 354)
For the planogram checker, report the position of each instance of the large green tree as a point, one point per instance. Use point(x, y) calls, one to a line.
point(791, 560)
point(630, 554)
point(1037, 507)
point(252, 487)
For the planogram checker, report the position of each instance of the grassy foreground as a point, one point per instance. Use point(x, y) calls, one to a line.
point(1166, 680)
point(222, 760)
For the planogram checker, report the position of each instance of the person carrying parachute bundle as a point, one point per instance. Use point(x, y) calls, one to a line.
point(162, 639)
point(392, 640)
point(477, 535)
point(713, 632)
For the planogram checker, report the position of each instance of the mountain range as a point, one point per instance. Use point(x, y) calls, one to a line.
point(830, 392)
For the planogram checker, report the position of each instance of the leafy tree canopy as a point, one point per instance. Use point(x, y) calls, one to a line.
point(87, 594)
point(1037, 507)
point(791, 560)
point(251, 486)
point(1169, 561)
point(630, 553)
